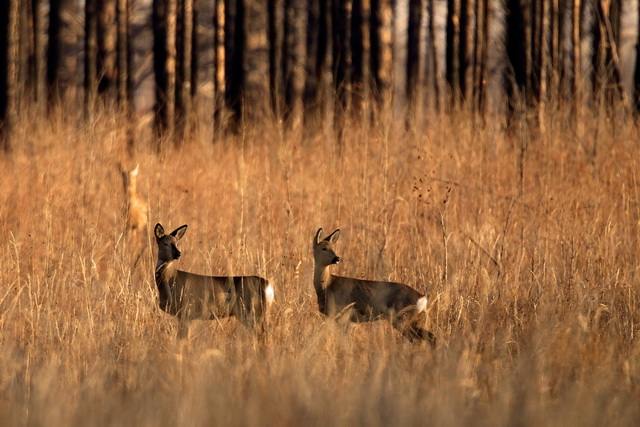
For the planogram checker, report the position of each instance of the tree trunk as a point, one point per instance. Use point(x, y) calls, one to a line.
point(636, 75)
point(576, 58)
point(159, 61)
point(183, 94)
point(542, 55)
point(219, 65)
point(293, 61)
point(466, 51)
point(61, 65)
point(276, 45)
point(39, 52)
point(9, 15)
point(90, 49)
point(195, 50)
point(341, 17)
point(515, 78)
point(234, 40)
point(107, 46)
point(170, 65)
point(382, 49)
point(122, 53)
point(255, 62)
point(361, 48)
point(433, 55)
point(414, 37)
point(452, 51)
point(313, 78)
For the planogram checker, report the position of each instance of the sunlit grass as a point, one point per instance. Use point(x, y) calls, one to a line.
point(527, 252)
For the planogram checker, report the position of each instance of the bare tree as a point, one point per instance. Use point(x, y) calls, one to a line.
point(414, 37)
point(361, 48)
point(433, 55)
point(255, 61)
point(466, 49)
point(123, 53)
point(293, 59)
point(219, 65)
point(341, 19)
point(381, 49)
point(9, 15)
point(90, 49)
point(515, 78)
point(61, 67)
point(39, 51)
point(576, 57)
point(184, 71)
point(452, 53)
point(159, 60)
point(107, 45)
point(636, 75)
point(234, 53)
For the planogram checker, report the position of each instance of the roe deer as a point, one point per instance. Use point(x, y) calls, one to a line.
point(190, 296)
point(136, 208)
point(365, 300)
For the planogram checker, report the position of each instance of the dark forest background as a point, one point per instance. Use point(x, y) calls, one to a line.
point(164, 63)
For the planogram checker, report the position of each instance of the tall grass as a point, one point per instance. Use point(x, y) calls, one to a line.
point(526, 243)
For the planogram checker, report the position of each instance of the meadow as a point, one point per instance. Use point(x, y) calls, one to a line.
point(526, 243)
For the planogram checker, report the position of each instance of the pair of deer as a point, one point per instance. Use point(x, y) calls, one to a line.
point(190, 296)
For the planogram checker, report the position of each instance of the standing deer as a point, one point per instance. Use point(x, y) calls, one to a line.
point(190, 296)
point(136, 208)
point(366, 300)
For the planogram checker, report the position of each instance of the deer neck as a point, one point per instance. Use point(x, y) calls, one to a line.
point(321, 277)
point(165, 275)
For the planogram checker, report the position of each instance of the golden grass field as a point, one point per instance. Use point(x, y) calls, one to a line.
point(537, 313)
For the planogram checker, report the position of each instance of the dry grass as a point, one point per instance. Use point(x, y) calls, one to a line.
point(537, 313)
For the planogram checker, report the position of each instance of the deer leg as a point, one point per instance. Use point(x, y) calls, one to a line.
point(415, 333)
point(411, 330)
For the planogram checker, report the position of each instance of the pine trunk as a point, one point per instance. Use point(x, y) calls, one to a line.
point(466, 51)
point(8, 71)
point(39, 51)
point(234, 53)
point(90, 49)
point(184, 71)
point(255, 61)
point(159, 61)
point(452, 53)
point(414, 37)
point(516, 72)
point(219, 65)
point(382, 49)
point(433, 55)
point(293, 60)
point(360, 46)
point(170, 65)
point(341, 18)
point(542, 55)
point(122, 52)
point(636, 75)
point(313, 77)
point(107, 48)
point(576, 57)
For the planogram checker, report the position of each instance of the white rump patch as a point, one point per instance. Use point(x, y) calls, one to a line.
point(269, 294)
point(421, 304)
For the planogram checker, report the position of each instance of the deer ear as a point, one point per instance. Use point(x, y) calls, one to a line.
point(316, 239)
point(333, 237)
point(135, 170)
point(158, 230)
point(179, 232)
